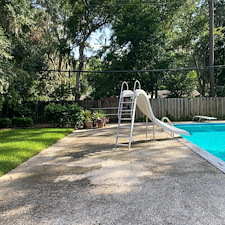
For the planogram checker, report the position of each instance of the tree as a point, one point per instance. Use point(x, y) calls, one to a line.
point(16, 21)
point(219, 47)
point(55, 15)
point(88, 17)
point(52, 17)
point(139, 42)
point(180, 84)
point(40, 41)
point(189, 35)
point(5, 65)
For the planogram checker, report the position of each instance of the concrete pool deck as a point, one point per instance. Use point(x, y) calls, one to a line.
point(82, 180)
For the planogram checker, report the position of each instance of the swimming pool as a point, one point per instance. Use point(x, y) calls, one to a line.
point(209, 137)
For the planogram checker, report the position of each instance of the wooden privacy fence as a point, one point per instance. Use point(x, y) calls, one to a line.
point(175, 108)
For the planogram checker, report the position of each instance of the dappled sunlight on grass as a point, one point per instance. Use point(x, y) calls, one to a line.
point(18, 145)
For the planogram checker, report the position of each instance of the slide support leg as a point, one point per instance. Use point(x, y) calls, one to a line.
point(146, 127)
point(153, 124)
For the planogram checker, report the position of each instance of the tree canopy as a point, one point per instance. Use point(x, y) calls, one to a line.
point(43, 42)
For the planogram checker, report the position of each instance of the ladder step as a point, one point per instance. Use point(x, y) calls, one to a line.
point(126, 102)
point(125, 110)
point(126, 145)
point(123, 135)
point(125, 119)
point(125, 127)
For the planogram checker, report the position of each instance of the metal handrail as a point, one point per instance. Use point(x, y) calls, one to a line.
point(121, 91)
point(122, 87)
point(135, 84)
point(169, 121)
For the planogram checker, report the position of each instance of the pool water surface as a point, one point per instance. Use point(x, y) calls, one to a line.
point(209, 136)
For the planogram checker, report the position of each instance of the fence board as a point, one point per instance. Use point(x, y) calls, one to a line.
point(162, 110)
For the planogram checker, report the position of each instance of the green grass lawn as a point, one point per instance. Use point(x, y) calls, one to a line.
point(18, 145)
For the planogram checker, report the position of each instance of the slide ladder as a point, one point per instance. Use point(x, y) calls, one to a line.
point(129, 100)
point(126, 113)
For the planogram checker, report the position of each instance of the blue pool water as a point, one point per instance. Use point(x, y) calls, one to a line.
point(209, 136)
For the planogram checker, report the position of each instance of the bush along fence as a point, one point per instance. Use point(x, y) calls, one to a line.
point(67, 113)
point(16, 122)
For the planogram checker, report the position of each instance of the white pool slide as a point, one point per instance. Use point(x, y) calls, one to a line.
point(126, 113)
point(144, 105)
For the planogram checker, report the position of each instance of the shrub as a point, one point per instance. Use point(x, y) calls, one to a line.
point(22, 121)
point(63, 116)
point(74, 113)
point(23, 111)
point(5, 122)
point(56, 114)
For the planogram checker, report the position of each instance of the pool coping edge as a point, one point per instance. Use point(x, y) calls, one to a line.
point(218, 163)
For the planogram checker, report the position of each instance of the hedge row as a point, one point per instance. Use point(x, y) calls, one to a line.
point(16, 122)
point(57, 114)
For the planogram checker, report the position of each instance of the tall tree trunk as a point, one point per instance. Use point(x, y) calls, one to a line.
point(211, 49)
point(60, 62)
point(80, 68)
point(156, 90)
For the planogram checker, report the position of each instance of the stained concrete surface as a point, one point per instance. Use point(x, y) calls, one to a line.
point(82, 180)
